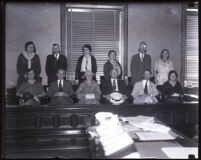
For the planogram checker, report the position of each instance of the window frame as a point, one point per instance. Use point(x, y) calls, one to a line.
point(123, 27)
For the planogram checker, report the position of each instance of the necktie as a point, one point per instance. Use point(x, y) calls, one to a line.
point(86, 64)
point(142, 56)
point(56, 56)
point(146, 88)
point(60, 86)
point(114, 85)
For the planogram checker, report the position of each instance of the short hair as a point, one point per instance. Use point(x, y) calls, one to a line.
point(161, 56)
point(172, 71)
point(141, 44)
point(110, 51)
point(55, 44)
point(148, 71)
point(86, 46)
point(28, 43)
point(60, 69)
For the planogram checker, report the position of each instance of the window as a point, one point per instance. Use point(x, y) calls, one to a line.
point(191, 54)
point(101, 27)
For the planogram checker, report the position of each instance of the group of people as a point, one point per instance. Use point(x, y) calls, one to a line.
point(112, 89)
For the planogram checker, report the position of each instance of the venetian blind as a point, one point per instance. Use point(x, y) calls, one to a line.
point(97, 27)
point(191, 55)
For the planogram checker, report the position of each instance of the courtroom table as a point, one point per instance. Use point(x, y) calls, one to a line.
point(144, 149)
point(59, 131)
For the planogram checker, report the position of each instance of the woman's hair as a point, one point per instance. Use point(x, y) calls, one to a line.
point(110, 51)
point(172, 71)
point(163, 52)
point(86, 46)
point(28, 43)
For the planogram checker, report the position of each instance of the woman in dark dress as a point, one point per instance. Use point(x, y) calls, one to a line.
point(85, 62)
point(30, 90)
point(111, 64)
point(172, 90)
point(26, 60)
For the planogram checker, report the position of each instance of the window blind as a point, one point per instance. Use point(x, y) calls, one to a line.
point(191, 55)
point(98, 27)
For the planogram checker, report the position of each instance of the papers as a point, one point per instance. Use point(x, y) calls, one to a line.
point(180, 152)
point(156, 136)
point(147, 123)
point(139, 119)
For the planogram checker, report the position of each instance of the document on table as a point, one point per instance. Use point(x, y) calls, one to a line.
point(156, 136)
point(180, 152)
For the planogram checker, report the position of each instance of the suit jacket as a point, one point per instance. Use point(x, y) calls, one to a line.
point(67, 88)
point(139, 90)
point(138, 67)
point(78, 73)
point(52, 64)
point(106, 87)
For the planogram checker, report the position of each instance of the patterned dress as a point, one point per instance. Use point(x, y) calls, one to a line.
point(85, 88)
point(36, 89)
point(163, 69)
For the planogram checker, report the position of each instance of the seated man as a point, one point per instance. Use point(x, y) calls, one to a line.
point(61, 90)
point(114, 90)
point(145, 91)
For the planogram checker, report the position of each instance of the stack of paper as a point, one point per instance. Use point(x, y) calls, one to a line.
point(153, 136)
point(180, 152)
point(147, 123)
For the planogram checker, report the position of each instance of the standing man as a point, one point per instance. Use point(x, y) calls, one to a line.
point(54, 62)
point(140, 63)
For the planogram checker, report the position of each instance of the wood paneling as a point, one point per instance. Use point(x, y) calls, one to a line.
point(49, 132)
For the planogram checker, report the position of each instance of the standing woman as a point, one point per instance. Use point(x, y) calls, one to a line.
point(86, 62)
point(111, 64)
point(26, 60)
point(162, 67)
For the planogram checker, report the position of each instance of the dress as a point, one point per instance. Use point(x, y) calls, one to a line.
point(108, 67)
point(85, 88)
point(36, 89)
point(163, 69)
point(168, 89)
point(22, 66)
point(79, 73)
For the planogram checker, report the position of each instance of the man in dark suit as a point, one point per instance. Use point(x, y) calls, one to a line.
point(60, 91)
point(54, 62)
point(114, 85)
point(140, 63)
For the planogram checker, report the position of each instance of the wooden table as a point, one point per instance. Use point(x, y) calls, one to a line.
point(146, 149)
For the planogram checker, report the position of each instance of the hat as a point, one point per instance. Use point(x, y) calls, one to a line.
point(26, 96)
point(116, 98)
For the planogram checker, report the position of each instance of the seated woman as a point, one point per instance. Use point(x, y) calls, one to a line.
point(111, 64)
point(114, 90)
point(145, 91)
point(172, 90)
point(88, 91)
point(61, 90)
point(31, 90)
